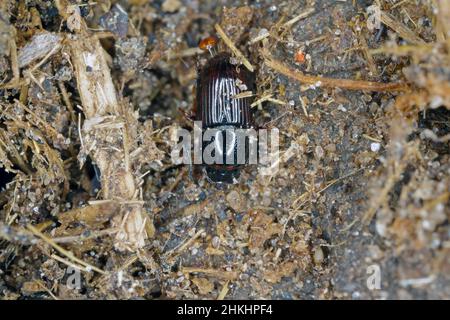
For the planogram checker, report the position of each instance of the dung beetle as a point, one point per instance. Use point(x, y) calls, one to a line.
point(216, 106)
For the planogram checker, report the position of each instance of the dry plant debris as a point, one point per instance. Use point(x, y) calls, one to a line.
point(91, 94)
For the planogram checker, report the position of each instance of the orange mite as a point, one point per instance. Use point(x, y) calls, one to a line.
point(300, 56)
point(208, 43)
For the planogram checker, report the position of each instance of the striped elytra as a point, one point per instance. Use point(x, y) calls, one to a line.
point(218, 84)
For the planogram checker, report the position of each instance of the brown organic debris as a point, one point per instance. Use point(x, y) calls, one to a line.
point(93, 93)
point(331, 82)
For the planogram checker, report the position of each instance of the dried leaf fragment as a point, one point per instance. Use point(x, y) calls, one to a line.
point(39, 46)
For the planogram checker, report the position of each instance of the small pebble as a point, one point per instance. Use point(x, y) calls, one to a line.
point(216, 242)
point(342, 108)
point(375, 146)
point(319, 152)
point(318, 256)
point(234, 200)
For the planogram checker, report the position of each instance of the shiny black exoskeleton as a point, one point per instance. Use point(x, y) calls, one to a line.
point(218, 84)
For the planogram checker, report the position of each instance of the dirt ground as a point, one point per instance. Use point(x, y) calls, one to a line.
point(359, 208)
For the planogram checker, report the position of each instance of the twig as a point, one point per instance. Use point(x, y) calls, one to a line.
point(331, 245)
point(68, 263)
point(404, 50)
point(333, 182)
point(39, 119)
point(40, 284)
point(177, 179)
point(14, 61)
point(261, 100)
point(187, 243)
point(277, 101)
point(399, 4)
point(381, 196)
point(79, 132)
point(92, 235)
point(233, 48)
point(224, 291)
point(371, 138)
point(400, 28)
point(302, 102)
point(349, 226)
point(227, 275)
point(47, 56)
point(124, 202)
point(302, 15)
point(66, 100)
point(285, 25)
point(61, 250)
point(332, 82)
point(172, 55)
point(242, 95)
point(368, 55)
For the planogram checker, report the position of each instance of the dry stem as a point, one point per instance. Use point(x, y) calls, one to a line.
point(332, 82)
point(233, 48)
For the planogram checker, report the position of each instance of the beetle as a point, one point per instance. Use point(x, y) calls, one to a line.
point(218, 83)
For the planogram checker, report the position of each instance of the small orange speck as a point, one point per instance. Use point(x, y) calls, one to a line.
point(300, 56)
point(208, 43)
